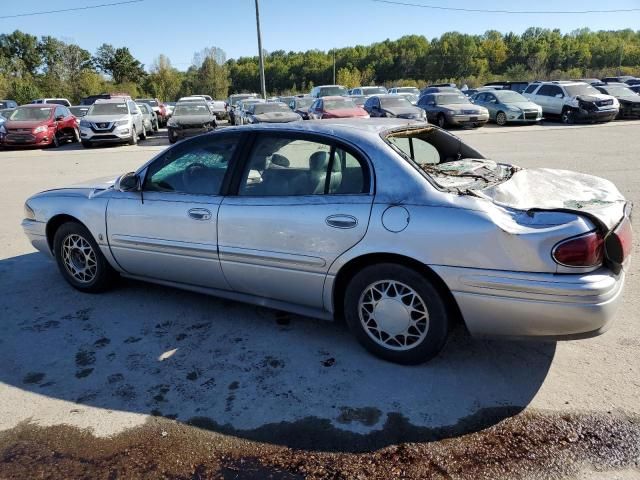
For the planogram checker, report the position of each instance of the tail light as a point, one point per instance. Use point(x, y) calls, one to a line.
point(618, 243)
point(583, 251)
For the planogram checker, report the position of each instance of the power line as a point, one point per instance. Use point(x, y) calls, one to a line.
point(90, 7)
point(513, 12)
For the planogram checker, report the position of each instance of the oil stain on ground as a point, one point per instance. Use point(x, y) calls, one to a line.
point(529, 445)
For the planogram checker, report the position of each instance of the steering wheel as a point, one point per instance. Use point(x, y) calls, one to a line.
point(191, 172)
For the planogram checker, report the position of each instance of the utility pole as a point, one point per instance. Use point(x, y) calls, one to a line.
point(260, 55)
point(334, 66)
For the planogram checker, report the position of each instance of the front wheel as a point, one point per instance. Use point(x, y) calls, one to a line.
point(80, 260)
point(55, 141)
point(442, 122)
point(75, 138)
point(501, 118)
point(173, 138)
point(396, 313)
point(143, 135)
point(567, 116)
point(134, 136)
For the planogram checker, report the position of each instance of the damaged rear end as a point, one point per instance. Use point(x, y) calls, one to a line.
point(567, 238)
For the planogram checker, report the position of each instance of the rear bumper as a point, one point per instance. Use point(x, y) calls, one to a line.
point(514, 304)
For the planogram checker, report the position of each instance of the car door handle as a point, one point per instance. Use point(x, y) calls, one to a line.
point(199, 214)
point(341, 221)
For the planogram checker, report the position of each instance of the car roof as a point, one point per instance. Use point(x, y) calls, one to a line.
point(336, 97)
point(112, 100)
point(41, 105)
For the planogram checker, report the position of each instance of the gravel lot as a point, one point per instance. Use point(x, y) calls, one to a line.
point(133, 372)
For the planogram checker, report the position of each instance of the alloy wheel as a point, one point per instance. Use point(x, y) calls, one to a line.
point(393, 315)
point(501, 118)
point(79, 259)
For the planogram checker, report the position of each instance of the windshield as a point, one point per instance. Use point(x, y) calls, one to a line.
point(339, 104)
point(450, 99)
point(270, 107)
point(507, 96)
point(373, 90)
point(412, 90)
point(581, 89)
point(153, 103)
point(191, 109)
point(304, 102)
point(79, 111)
point(108, 109)
point(619, 91)
point(143, 108)
point(6, 113)
point(331, 91)
point(27, 113)
point(395, 102)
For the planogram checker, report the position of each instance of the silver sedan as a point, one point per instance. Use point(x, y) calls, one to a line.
point(398, 227)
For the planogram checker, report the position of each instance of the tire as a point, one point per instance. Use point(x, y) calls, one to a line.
point(75, 138)
point(364, 298)
point(567, 116)
point(172, 137)
point(155, 126)
point(55, 142)
point(143, 135)
point(80, 260)
point(501, 118)
point(134, 137)
point(441, 121)
point(86, 144)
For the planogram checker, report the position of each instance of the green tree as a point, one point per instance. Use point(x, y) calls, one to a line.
point(213, 79)
point(21, 53)
point(164, 81)
point(119, 64)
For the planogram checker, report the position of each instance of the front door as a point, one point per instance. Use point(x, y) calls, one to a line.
point(169, 230)
point(301, 202)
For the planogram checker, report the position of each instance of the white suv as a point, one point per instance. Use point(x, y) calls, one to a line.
point(116, 120)
point(572, 101)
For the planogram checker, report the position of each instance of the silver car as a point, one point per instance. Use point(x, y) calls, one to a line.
point(115, 120)
point(397, 226)
point(149, 118)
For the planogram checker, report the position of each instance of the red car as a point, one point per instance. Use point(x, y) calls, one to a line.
point(335, 107)
point(39, 125)
point(158, 107)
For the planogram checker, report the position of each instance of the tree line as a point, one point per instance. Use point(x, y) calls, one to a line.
point(32, 67)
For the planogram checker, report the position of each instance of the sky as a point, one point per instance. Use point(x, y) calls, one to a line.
point(180, 28)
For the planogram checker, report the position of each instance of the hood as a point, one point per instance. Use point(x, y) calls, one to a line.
point(403, 111)
point(629, 99)
point(594, 98)
point(551, 189)
point(104, 118)
point(192, 119)
point(523, 105)
point(276, 117)
point(26, 123)
point(101, 183)
point(462, 106)
point(348, 112)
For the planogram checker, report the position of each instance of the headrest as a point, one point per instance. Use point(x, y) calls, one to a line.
point(319, 161)
point(280, 160)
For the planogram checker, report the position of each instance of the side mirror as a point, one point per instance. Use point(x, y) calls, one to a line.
point(59, 118)
point(129, 182)
point(559, 95)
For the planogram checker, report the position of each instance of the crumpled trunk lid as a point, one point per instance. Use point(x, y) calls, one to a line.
point(551, 189)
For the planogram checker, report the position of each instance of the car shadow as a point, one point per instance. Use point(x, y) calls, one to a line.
point(247, 371)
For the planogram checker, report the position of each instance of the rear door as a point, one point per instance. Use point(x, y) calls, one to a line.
point(168, 231)
point(301, 201)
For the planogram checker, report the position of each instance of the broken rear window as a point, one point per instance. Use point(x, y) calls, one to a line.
point(445, 160)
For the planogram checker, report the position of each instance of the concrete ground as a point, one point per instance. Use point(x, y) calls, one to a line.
point(107, 362)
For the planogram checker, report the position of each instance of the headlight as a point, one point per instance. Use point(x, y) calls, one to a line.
point(85, 124)
point(28, 212)
point(513, 109)
point(40, 129)
point(122, 122)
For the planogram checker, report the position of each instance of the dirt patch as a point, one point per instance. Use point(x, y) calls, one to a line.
point(525, 446)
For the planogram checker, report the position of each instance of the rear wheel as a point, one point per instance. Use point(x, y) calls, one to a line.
point(501, 118)
point(442, 122)
point(80, 260)
point(143, 135)
point(396, 313)
point(75, 138)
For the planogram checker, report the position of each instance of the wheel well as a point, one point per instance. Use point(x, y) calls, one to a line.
point(352, 267)
point(54, 223)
